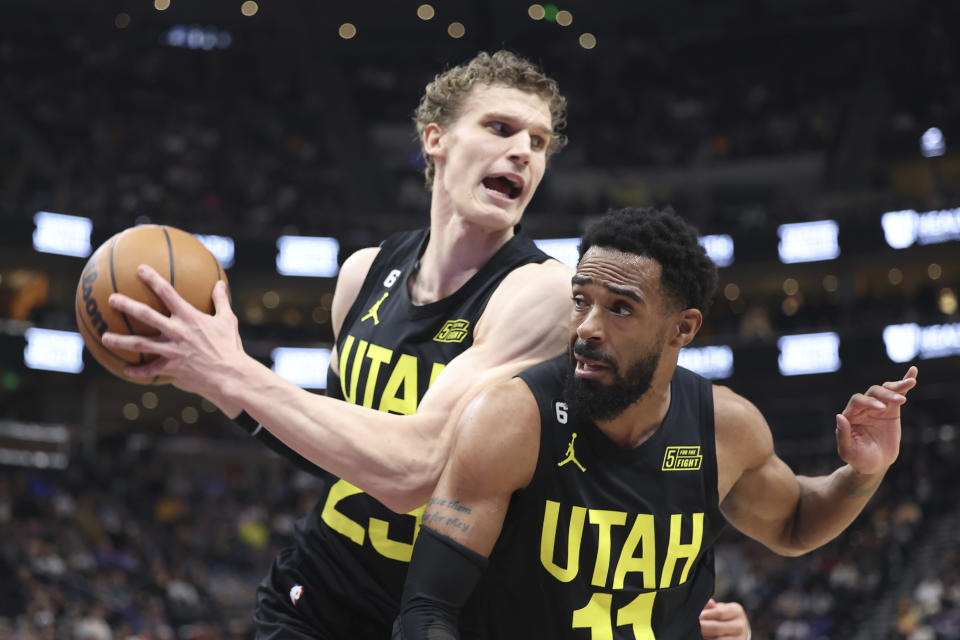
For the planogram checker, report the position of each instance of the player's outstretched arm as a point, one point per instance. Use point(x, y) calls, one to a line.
point(495, 454)
point(795, 514)
point(397, 459)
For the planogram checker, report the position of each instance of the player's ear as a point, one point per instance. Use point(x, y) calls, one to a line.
point(433, 139)
point(688, 323)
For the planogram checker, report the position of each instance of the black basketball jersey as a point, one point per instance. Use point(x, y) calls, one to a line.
point(608, 542)
point(390, 351)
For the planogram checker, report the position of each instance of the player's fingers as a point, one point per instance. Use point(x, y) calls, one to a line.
point(139, 311)
point(860, 402)
point(722, 611)
point(731, 624)
point(164, 290)
point(843, 431)
point(901, 386)
point(221, 301)
point(883, 394)
point(846, 446)
point(722, 630)
point(142, 344)
point(151, 370)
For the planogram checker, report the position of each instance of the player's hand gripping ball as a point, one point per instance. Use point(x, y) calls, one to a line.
point(176, 255)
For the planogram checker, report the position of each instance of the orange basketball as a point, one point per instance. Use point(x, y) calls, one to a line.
point(176, 255)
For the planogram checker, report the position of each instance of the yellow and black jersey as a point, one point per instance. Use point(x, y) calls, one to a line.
point(608, 542)
point(389, 353)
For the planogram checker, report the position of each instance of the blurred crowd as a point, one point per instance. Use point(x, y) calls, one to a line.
point(135, 544)
point(122, 129)
point(932, 610)
point(250, 140)
point(116, 125)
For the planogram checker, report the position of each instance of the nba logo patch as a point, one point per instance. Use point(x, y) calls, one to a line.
point(295, 592)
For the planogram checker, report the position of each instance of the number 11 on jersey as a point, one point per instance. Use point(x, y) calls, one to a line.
point(597, 617)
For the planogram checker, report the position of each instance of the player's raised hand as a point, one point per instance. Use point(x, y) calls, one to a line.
point(868, 430)
point(724, 621)
point(194, 348)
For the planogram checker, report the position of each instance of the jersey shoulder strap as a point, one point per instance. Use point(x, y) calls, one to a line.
point(397, 252)
point(546, 383)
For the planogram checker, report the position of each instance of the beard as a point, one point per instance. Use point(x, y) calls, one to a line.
point(595, 401)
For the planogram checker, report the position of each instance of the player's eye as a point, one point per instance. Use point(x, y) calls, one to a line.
point(621, 308)
point(499, 127)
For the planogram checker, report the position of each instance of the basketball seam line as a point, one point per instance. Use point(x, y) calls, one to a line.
point(170, 257)
point(169, 254)
point(113, 281)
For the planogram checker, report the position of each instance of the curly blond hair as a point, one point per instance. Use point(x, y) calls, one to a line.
point(444, 97)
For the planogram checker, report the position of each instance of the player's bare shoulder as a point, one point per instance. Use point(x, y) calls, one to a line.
point(741, 429)
point(499, 434)
point(352, 274)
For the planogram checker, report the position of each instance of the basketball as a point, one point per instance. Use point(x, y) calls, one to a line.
point(176, 255)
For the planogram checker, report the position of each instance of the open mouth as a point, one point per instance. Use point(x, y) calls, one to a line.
point(506, 186)
point(589, 368)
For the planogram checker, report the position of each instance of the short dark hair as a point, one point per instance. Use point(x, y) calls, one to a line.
point(689, 276)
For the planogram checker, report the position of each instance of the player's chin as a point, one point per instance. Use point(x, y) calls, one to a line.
point(497, 218)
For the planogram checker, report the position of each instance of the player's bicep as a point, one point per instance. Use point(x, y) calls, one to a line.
point(494, 454)
point(762, 502)
point(522, 326)
point(758, 491)
point(529, 314)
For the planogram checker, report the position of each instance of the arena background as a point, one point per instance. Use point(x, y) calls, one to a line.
point(128, 511)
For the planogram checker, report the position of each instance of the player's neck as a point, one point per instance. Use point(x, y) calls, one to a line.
point(455, 252)
point(640, 420)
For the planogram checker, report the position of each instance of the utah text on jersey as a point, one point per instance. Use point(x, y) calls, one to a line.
point(401, 371)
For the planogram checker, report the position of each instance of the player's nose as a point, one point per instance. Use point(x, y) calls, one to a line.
point(591, 326)
point(521, 147)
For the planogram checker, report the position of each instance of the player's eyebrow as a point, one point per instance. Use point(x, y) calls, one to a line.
point(620, 291)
